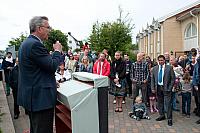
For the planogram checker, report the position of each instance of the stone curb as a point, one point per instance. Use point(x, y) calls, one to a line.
point(6, 124)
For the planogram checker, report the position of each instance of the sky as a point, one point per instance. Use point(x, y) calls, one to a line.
point(78, 16)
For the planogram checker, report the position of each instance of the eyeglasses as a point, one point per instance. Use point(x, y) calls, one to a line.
point(49, 27)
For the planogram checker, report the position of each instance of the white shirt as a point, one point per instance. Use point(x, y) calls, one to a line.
point(66, 75)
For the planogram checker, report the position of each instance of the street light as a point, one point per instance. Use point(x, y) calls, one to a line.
point(76, 41)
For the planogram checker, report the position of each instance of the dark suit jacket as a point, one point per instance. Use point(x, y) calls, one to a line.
point(168, 79)
point(37, 84)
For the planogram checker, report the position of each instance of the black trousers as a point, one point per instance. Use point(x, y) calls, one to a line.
point(135, 90)
point(41, 121)
point(164, 102)
point(16, 106)
point(198, 101)
point(129, 82)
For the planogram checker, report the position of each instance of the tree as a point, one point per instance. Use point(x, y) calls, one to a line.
point(56, 35)
point(17, 41)
point(115, 36)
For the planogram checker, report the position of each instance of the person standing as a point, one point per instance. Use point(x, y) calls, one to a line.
point(118, 80)
point(139, 77)
point(7, 65)
point(37, 84)
point(162, 82)
point(102, 66)
point(14, 85)
point(128, 79)
point(196, 84)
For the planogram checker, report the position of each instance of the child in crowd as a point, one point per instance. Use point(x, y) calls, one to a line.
point(152, 99)
point(186, 94)
point(139, 110)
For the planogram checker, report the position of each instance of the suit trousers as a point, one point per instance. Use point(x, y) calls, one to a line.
point(41, 121)
point(164, 102)
point(16, 106)
point(135, 90)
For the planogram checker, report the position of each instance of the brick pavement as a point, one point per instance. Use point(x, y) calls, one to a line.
point(122, 123)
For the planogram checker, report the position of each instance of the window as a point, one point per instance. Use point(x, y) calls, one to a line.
point(191, 31)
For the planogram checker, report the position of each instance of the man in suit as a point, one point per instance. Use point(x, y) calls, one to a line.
point(37, 84)
point(162, 82)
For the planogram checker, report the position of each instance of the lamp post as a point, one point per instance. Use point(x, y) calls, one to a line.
point(76, 41)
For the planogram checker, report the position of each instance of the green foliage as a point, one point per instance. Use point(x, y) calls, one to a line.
point(115, 36)
point(56, 35)
point(17, 41)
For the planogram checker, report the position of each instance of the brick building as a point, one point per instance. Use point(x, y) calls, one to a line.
point(176, 32)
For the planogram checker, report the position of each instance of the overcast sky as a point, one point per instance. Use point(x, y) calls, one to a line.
point(78, 16)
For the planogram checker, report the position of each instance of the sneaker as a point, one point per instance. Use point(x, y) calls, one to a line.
point(118, 85)
point(148, 118)
point(114, 101)
point(130, 114)
point(138, 118)
point(123, 102)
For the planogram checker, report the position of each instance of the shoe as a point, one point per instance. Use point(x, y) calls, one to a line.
point(120, 109)
point(155, 110)
point(188, 116)
point(117, 109)
point(118, 85)
point(198, 122)
point(169, 122)
point(176, 110)
point(195, 110)
point(123, 102)
point(114, 101)
point(183, 114)
point(130, 114)
point(147, 117)
point(138, 118)
point(152, 111)
point(160, 118)
point(16, 116)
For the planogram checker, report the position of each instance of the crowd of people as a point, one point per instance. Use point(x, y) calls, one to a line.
point(157, 83)
point(153, 84)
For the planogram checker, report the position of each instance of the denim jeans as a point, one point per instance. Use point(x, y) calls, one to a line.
point(186, 99)
point(174, 100)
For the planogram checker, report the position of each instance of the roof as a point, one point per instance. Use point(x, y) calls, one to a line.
point(178, 11)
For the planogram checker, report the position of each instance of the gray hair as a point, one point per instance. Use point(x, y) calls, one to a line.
point(35, 22)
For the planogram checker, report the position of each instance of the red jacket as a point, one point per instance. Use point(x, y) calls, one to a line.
point(105, 68)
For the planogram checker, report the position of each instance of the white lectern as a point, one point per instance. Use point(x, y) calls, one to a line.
point(83, 104)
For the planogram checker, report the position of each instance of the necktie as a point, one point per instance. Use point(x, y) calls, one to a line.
point(160, 74)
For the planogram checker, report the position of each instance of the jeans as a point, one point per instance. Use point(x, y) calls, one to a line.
point(174, 100)
point(186, 99)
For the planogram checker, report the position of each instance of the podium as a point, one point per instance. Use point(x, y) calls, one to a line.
point(82, 105)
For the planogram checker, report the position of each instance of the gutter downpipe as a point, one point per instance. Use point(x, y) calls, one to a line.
point(197, 27)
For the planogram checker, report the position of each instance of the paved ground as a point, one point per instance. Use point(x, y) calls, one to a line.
point(6, 124)
point(121, 123)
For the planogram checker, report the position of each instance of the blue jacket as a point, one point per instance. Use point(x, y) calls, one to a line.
point(37, 84)
point(195, 78)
